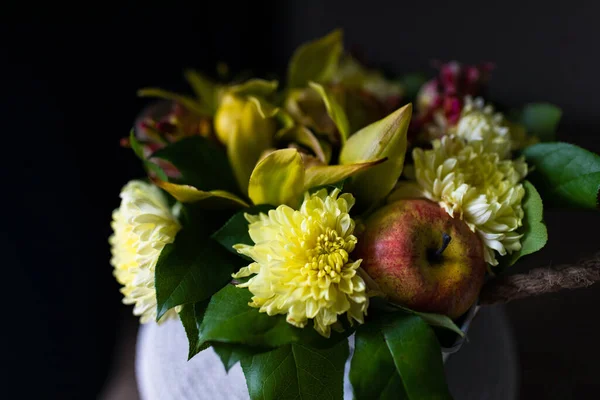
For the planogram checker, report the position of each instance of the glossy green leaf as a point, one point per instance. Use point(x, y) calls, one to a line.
point(197, 159)
point(297, 372)
point(324, 175)
point(417, 355)
point(210, 199)
point(565, 174)
point(541, 120)
point(254, 87)
point(373, 372)
point(384, 138)
point(186, 101)
point(191, 316)
point(230, 353)
point(230, 319)
point(278, 179)
point(301, 135)
point(235, 231)
point(205, 89)
point(439, 320)
point(535, 234)
point(334, 110)
point(264, 108)
point(191, 269)
point(315, 61)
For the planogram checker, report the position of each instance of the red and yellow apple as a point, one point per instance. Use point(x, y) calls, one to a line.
point(422, 258)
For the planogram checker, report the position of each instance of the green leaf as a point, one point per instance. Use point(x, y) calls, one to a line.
point(205, 89)
point(417, 355)
point(235, 230)
point(254, 87)
point(228, 311)
point(136, 146)
point(278, 179)
point(191, 316)
point(565, 174)
point(231, 353)
point(302, 135)
point(197, 159)
point(535, 234)
point(439, 320)
point(315, 61)
point(384, 138)
point(265, 109)
point(191, 104)
point(191, 269)
point(297, 372)
point(213, 199)
point(541, 120)
point(325, 175)
point(373, 373)
point(334, 110)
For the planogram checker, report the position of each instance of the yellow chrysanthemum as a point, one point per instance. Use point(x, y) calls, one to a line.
point(302, 262)
point(142, 226)
point(479, 123)
point(475, 185)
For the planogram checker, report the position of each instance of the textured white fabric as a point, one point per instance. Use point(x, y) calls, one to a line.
point(485, 369)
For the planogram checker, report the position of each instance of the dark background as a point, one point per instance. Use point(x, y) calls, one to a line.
point(69, 77)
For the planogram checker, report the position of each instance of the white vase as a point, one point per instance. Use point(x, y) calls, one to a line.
point(485, 367)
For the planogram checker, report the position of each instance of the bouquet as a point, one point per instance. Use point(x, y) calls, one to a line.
point(277, 221)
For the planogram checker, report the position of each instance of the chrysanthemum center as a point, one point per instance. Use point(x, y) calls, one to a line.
point(330, 254)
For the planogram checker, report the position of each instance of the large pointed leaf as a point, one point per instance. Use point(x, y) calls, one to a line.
point(373, 373)
point(197, 159)
point(231, 353)
point(191, 316)
point(417, 355)
point(278, 179)
point(186, 101)
point(322, 175)
point(384, 138)
point(297, 372)
point(210, 199)
point(535, 234)
point(205, 89)
point(334, 110)
point(191, 269)
point(565, 174)
point(315, 61)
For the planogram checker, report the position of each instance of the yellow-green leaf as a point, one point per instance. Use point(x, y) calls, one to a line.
point(384, 138)
point(315, 61)
point(278, 179)
point(265, 109)
point(186, 101)
point(322, 175)
point(254, 87)
point(204, 88)
point(334, 110)
point(303, 136)
point(211, 199)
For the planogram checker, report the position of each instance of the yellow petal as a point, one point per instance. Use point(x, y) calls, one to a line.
point(302, 135)
point(384, 138)
point(278, 179)
point(328, 174)
point(334, 110)
point(189, 194)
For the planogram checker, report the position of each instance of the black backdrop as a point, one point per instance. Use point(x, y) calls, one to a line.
point(69, 77)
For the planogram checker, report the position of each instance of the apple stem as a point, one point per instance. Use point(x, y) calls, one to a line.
point(445, 242)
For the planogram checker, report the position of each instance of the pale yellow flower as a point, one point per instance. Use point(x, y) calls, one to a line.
point(474, 185)
point(142, 226)
point(478, 123)
point(302, 262)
